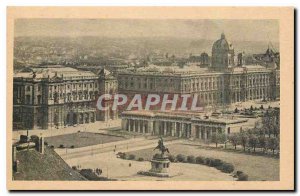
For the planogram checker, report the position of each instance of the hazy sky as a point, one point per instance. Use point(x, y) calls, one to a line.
point(247, 30)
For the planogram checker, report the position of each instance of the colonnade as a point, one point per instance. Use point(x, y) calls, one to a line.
point(164, 127)
point(205, 132)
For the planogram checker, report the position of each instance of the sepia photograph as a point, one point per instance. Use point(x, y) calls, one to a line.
point(152, 103)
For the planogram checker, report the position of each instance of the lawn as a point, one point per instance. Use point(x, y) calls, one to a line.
point(257, 167)
point(81, 139)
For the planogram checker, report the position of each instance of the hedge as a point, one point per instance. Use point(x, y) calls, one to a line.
point(191, 159)
point(140, 159)
point(172, 158)
point(226, 167)
point(200, 160)
point(131, 157)
point(181, 158)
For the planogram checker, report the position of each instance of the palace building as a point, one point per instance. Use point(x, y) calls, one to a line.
point(55, 96)
point(225, 81)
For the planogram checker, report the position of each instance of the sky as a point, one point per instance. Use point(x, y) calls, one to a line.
point(236, 30)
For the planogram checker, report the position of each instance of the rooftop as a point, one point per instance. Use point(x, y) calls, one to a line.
point(52, 71)
point(194, 116)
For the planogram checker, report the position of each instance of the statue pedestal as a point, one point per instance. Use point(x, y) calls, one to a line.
point(159, 167)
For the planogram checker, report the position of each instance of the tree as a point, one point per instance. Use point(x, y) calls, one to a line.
point(253, 141)
point(218, 138)
point(234, 139)
point(243, 139)
point(236, 110)
point(262, 142)
point(273, 144)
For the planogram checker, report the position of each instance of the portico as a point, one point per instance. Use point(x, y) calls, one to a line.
point(180, 125)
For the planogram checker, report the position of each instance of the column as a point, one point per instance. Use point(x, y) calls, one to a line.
point(156, 129)
point(129, 126)
point(143, 127)
point(173, 129)
point(165, 128)
point(189, 130)
point(193, 130)
point(133, 126)
point(150, 127)
point(205, 133)
point(123, 124)
point(138, 126)
point(180, 129)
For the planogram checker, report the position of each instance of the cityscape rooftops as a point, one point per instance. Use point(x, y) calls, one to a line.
point(53, 71)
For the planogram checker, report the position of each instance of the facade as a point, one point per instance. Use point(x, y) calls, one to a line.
point(55, 96)
point(181, 124)
point(223, 82)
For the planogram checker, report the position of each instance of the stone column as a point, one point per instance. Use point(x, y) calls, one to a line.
point(150, 127)
point(169, 128)
point(133, 126)
point(143, 127)
point(156, 129)
point(193, 130)
point(180, 129)
point(165, 128)
point(205, 133)
point(129, 126)
point(138, 126)
point(189, 130)
point(123, 124)
point(173, 128)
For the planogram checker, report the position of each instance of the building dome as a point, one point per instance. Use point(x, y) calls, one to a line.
point(204, 55)
point(222, 44)
point(222, 53)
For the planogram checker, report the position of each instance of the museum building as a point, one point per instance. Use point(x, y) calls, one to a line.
point(55, 96)
point(227, 80)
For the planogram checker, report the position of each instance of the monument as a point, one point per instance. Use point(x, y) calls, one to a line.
point(160, 163)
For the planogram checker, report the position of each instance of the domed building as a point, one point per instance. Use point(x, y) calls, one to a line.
point(204, 59)
point(222, 54)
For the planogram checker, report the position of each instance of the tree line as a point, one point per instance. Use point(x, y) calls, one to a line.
point(265, 136)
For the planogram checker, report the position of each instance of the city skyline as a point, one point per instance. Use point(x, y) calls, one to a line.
point(235, 30)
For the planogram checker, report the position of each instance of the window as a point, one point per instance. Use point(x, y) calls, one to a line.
point(39, 100)
point(27, 99)
point(80, 95)
point(56, 98)
point(28, 88)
